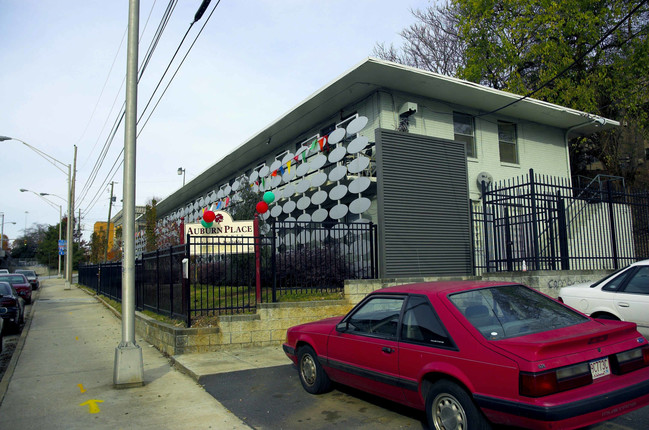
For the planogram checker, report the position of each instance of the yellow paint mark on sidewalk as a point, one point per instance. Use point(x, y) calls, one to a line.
point(92, 405)
point(83, 390)
point(76, 338)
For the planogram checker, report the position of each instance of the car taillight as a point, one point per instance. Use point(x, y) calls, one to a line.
point(554, 381)
point(628, 361)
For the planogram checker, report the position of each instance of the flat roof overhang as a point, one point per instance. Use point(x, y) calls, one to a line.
point(361, 81)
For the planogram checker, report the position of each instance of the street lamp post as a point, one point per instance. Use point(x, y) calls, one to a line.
point(2, 231)
point(22, 190)
point(181, 171)
point(70, 172)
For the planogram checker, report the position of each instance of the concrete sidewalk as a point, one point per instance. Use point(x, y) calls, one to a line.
point(61, 374)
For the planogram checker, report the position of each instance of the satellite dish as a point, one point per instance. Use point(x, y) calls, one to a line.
point(484, 177)
point(302, 169)
point(358, 164)
point(303, 203)
point(319, 197)
point(359, 185)
point(303, 185)
point(338, 211)
point(317, 162)
point(337, 173)
point(338, 192)
point(336, 136)
point(337, 154)
point(356, 125)
point(318, 179)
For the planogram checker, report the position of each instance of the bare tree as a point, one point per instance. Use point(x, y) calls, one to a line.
point(433, 43)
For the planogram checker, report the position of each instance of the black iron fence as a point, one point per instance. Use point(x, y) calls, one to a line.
point(231, 274)
point(543, 223)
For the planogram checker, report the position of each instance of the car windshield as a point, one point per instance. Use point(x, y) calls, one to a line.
point(513, 310)
point(14, 279)
point(26, 272)
point(5, 289)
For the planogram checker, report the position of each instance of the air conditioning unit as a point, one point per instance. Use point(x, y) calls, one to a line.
point(407, 109)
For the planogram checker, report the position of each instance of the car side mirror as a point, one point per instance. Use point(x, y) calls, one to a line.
point(342, 327)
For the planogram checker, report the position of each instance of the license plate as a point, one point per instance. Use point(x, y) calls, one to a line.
point(600, 368)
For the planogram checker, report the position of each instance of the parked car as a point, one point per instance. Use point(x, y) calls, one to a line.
point(12, 306)
point(31, 276)
point(473, 352)
point(2, 329)
point(623, 295)
point(4, 270)
point(20, 283)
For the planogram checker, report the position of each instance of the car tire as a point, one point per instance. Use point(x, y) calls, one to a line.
point(312, 376)
point(448, 407)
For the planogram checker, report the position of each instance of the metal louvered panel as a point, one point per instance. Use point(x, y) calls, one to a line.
point(423, 206)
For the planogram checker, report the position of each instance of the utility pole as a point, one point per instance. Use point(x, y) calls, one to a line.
point(129, 369)
point(70, 227)
point(110, 206)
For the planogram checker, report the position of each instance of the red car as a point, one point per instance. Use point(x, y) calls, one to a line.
point(20, 283)
point(471, 353)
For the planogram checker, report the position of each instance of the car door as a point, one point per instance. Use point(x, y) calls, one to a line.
point(364, 352)
point(632, 299)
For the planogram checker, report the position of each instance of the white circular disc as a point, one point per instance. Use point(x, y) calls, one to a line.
point(336, 136)
point(317, 162)
point(287, 157)
point(303, 185)
point(255, 188)
point(337, 154)
point(358, 164)
point(289, 207)
point(288, 191)
point(275, 165)
point(289, 240)
point(289, 219)
point(265, 228)
point(276, 211)
point(360, 205)
point(304, 237)
point(236, 185)
point(338, 211)
point(319, 197)
point(319, 215)
point(318, 179)
point(302, 169)
point(304, 218)
point(357, 125)
point(288, 177)
point(253, 177)
point(264, 171)
point(275, 181)
point(265, 216)
point(227, 190)
point(357, 145)
point(338, 192)
point(359, 185)
point(337, 173)
point(339, 230)
point(303, 203)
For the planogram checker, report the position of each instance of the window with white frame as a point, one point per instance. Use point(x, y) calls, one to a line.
point(507, 142)
point(464, 132)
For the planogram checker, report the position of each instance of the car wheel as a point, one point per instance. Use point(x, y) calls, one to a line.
point(312, 376)
point(449, 407)
point(605, 316)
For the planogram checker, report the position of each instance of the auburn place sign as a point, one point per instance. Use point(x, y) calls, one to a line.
point(223, 235)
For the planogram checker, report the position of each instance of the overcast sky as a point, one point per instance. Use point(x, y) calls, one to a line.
point(63, 66)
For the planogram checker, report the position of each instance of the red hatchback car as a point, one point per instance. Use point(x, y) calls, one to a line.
point(471, 353)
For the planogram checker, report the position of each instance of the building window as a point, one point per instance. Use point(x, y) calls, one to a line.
point(507, 142)
point(464, 132)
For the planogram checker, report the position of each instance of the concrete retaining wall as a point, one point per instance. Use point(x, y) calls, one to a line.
point(268, 326)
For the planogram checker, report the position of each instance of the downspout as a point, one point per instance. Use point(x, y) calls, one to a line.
point(600, 120)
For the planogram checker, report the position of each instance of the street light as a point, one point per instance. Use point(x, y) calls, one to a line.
point(40, 195)
point(181, 171)
point(2, 233)
point(56, 163)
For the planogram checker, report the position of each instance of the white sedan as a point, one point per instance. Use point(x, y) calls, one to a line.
point(622, 295)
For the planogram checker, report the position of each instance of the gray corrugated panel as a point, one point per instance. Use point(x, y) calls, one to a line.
point(423, 205)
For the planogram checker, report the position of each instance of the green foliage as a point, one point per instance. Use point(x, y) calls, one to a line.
point(97, 246)
point(246, 208)
point(149, 229)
